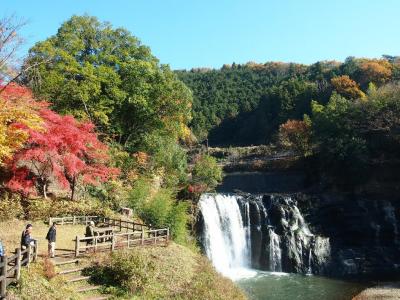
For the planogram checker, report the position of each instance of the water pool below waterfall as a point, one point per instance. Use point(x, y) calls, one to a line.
point(285, 286)
point(255, 240)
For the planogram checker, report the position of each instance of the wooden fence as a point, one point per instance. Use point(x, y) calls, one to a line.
point(10, 266)
point(85, 220)
point(121, 240)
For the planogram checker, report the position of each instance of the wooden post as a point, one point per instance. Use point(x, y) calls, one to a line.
point(112, 242)
point(62, 220)
point(86, 220)
point(142, 237)
point(155, 237)
point(50, 221)
point(18, 264)
point(35, 251)
point(29, 251)
point(120, 225)
point(3, 273)
point(73, 221)
point(167, 234)
point(76, 246)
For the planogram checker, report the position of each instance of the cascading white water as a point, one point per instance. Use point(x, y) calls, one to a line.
point(225, 236)
point(247, 227)
point(266, 232)
point(275, 253)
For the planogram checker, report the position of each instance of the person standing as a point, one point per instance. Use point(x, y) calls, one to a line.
point(51, 238)
point(89, 232)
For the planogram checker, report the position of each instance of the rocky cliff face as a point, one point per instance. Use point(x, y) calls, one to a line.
point(363, 229)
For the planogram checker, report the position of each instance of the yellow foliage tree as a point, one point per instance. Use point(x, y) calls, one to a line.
point(18, 113)
point(347, 87)
point(377, 71)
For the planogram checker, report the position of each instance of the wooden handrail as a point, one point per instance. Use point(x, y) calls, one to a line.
point(7, 275)
point(121, 240)
point(86, 219)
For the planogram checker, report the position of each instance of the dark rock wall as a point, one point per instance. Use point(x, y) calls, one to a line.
point(363, 229)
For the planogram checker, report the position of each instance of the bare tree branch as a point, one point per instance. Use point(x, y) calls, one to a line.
point(10, 42)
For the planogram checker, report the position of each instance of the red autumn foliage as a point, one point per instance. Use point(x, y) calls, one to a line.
point(64, 152)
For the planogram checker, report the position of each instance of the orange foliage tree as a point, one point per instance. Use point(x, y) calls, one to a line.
point(347, 87)
point(296, 135)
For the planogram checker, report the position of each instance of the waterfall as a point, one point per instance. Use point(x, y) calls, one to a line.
point(264, 232)
point(224, 235)
point(275, 255)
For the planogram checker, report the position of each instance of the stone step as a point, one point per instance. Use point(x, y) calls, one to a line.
point(88, 288)
point(80, 278)
point(70, 271)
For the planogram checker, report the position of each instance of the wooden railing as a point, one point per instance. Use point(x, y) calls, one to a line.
point(85, 220)
point(121, 240)
point(10, 266)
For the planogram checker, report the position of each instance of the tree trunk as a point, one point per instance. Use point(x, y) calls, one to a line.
point(73, 188)
point(45, 191)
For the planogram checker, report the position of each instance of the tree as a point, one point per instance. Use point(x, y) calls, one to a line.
point(347, 87)
point(296, 135)
point(10, 42)
point(377, 71)
point(18, 112)
point(64, 153)
point(206, 174)
point(108, 77)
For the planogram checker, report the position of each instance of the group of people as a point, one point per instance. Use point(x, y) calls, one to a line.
point(27, 239)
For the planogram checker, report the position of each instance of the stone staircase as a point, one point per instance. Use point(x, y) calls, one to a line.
point(71, 269)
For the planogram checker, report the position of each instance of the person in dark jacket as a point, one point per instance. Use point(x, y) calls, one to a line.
point(51, 238)
point(89, 233)
point(26, 237)
point(27, 240)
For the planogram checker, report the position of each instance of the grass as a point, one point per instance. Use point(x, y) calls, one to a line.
point(34, 284)
point(10, 235)
point(178, 273)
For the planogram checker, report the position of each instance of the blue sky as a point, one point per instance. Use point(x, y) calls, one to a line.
point(209, 33)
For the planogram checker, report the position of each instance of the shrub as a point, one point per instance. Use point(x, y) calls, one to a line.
point(139, 193)
point(10, 207)
point(207, 172)
point(178, 220)
point(160, 209)
point(39, 209)
point(48, 269)
point(128, 269)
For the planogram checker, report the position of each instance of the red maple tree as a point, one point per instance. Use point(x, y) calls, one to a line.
point(65, 152)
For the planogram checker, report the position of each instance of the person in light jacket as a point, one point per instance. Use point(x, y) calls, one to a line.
point(51, 238)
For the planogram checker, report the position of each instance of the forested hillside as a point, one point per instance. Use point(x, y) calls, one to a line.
point(246, 104)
